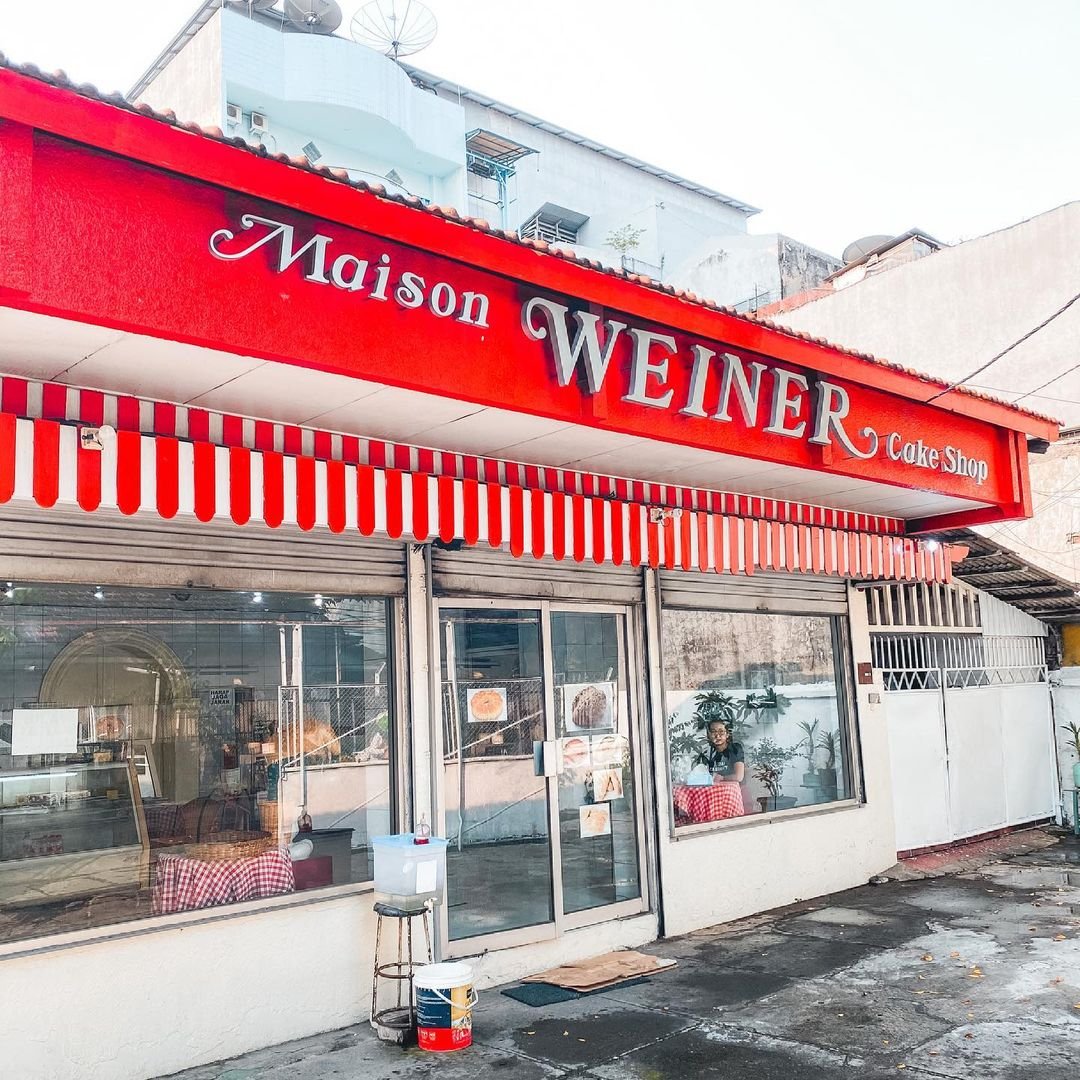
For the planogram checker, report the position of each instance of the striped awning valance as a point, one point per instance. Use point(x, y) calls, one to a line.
point(35, 400)
point(43, 461)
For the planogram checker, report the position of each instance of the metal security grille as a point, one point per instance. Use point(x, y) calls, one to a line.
point(929, 607)
point(549, 228)
point(957, 661)
point(340, 723)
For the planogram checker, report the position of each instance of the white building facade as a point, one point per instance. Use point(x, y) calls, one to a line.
point(345, 106)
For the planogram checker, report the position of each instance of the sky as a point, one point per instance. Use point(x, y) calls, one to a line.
point(839, 118)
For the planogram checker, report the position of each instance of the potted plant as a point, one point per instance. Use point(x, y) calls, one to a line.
point(770, 705)
point(1074, 740)
point(686, 735)
point(807, 747)
point(829, 741)
point(769, 760)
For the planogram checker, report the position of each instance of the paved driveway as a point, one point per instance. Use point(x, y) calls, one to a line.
point(972, 976)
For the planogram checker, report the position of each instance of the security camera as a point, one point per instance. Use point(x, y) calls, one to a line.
point(97, 438)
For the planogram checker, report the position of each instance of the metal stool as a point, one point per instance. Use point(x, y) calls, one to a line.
point(397, 1023)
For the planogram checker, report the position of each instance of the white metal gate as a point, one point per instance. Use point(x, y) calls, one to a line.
point(968, 712)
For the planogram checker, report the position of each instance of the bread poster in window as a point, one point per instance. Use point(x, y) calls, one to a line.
point(607, 785)
point(595, 819)
point(589, 706)
point(486, 704)
point(610, 749)
point(575, 753)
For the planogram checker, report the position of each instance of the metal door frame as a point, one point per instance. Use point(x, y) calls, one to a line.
point(561, 922)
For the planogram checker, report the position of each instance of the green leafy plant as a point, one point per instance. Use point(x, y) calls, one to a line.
point(769, 761)
point(808, 744)
point(829, 741)
point(1074, 736)
point(770, 700)
point(685, 735)
point(625, 239)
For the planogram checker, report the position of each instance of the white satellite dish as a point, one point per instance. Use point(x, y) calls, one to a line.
point(394, 27)
point(859, 249)
point(314, 16)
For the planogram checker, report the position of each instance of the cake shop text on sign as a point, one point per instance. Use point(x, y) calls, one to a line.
point(701, 382)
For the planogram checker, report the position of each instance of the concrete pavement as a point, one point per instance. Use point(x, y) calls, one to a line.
point(968, 976)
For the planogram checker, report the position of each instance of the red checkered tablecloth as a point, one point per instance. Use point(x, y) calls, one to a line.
point(712, 803)
point(184, 884)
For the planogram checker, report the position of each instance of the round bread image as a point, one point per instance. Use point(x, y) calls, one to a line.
point(575, 753)
point(486, 706)
point(590, 708)
point(110, 728)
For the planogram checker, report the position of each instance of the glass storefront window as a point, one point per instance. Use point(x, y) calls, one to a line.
point(149, 736)
point(756, 713)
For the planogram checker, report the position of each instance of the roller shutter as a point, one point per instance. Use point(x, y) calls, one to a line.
point(483, 572)
point(107, 548)
point(799, 593)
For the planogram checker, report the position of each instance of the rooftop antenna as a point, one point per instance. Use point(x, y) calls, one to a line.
point(395, 28)
point(314, 16)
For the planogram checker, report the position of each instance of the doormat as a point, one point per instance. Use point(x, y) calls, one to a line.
point(539, 994)
point(602, 971)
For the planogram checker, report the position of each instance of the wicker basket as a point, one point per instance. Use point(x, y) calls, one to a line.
point(268, 817)
point(230, 845)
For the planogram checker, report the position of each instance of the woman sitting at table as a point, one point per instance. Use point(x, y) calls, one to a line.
point(724, 756)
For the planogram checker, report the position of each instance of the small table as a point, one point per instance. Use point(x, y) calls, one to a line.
point(1076, 811)
point(713, 803)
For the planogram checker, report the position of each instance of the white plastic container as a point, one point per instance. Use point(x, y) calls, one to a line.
point(406, 873)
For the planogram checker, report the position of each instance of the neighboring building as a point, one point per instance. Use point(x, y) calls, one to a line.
point(954, 309)
point(313, 514)
point(343, 105)
point(951, 311)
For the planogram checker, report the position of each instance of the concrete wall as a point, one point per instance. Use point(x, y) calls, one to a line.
point(193, 84)
point(210, 985)
point(1043, 539)
point(1065, 688)
point(951, 311)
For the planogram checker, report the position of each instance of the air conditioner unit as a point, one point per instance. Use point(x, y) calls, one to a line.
point(234, 114)
point(260, 123)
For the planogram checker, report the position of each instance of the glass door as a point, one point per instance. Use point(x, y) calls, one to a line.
point(540, 791)
point(599, 834)
point(498, 863)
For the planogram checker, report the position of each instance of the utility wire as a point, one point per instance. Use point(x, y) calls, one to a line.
point(1008, 348)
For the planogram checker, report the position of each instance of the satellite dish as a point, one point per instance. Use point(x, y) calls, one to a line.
point(859, 248)
point(314, 16)
point(395, 28)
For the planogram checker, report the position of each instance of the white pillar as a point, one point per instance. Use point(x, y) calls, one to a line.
point(418, 698)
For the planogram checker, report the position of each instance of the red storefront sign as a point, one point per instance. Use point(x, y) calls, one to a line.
point(231, 257)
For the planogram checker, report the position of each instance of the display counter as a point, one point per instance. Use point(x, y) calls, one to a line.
point(70, 830)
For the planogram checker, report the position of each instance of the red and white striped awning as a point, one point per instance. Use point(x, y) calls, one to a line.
point(43, 462)
point(35, 400)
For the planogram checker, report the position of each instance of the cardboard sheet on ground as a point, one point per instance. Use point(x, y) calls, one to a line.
point(601, 971)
